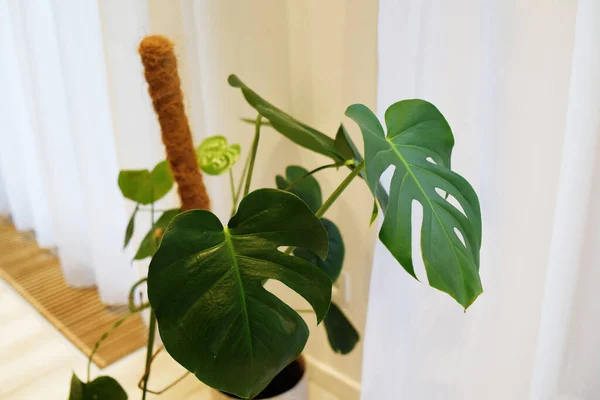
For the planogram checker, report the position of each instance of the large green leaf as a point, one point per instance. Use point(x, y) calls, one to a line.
point(332, 265)
point(101, 388)
point(215, 156)
point(308, 189)
point(342, 335)
point(152, 239)
point(419, 144)
point(145, 187)
point(205, 284)
point(290, 127)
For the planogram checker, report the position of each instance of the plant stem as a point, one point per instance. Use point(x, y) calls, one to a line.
point(105, 336)
point(232, 186)
point(253, 154)
point(150, 209)
point(236, 196)
point(339, 190)
point(151, 332)
point(303, 177)
point(334, 196)
point(149, 349)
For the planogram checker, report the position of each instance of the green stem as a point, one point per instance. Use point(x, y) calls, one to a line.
point(151, 333)
point(150, 209)
point(303, 177)
point(149, 350)
point(132, 306)
point(339, 190)
point(334, 196)
point(236, 196)
point(232, 186)
point(253, 154)
point(105, 336)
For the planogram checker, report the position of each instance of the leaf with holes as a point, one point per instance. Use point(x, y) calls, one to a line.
point(152, 239)
point(145, 187)
point(101, 388)
point(418, 134)
point(305, 187)
point(215, 156)
point(205, 285)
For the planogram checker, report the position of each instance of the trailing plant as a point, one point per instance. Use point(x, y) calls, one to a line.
point(206, 278)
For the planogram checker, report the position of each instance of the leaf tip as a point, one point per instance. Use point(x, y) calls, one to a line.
point(234, 81)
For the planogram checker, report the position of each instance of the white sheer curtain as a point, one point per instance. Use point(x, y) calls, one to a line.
point(520, 85)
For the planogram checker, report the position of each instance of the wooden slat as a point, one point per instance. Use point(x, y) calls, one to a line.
point(77, 313)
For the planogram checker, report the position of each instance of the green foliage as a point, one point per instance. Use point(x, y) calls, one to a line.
point(332, 265)
point(205, 284)
point(342, 335)
point(151, 241)
point(215, 156)
point(306, 187)
point(101, 388)
point(290, 127)
point(419, 144)
point(145, 187)
point(130, 226)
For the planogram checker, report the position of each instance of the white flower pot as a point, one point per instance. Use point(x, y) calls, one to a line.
point(298, 392)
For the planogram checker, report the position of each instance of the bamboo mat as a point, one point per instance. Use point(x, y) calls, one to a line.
point(77, 313)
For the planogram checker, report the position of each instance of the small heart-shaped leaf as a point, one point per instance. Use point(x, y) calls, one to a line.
point(101, 388)
point(145, 187)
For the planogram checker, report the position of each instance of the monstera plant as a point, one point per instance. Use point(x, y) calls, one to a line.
point(206, 279)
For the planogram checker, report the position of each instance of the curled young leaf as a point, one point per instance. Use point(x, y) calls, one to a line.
point(215, 156)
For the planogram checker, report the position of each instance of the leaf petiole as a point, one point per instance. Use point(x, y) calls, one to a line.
point(253, 154)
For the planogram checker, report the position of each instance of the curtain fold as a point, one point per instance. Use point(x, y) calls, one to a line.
point(519, 88)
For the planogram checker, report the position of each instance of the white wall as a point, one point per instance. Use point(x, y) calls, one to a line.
point(312, 59)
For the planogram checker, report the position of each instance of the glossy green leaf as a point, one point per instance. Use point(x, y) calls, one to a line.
point(374, 213)
point(215, 156)
point(345, 145)
point(101, 388)
point(252, 121)
point(145, 187)
point(205, 284)
point(130, 226)
point(419, 144)
point(151, 241)
point(308, 189)
point(342, 335)
point(290, 127)
point(332, 265)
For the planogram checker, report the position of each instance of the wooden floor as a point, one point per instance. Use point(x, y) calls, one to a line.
point(78, 314)
point(36, 361)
